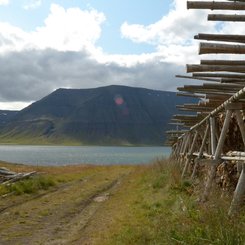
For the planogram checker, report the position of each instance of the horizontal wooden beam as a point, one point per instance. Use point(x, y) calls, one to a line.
point(220, 75)
point(215, 5)
point(221, 37)
point(190, 95)
point(226, 17)
point(214, 68)
point(198, 78)
point(223, 62)
point(217, 48)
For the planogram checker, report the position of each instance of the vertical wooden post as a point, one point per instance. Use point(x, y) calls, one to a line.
point(217, 154)
point(189, 155)
point(186, 143)
point(238, 194)
point(241, 125)
point(240, 188)
point(213, 134)
point(201, 150)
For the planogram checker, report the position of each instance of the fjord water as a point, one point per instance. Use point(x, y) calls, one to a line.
point(66, 155)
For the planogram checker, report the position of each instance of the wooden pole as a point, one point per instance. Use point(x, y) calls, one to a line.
point(238, 194)
point(212, 134)
point(217, 48)
point(226, 17)
point(199, 78)
point(223, 62)
point(220, 37)
point(215, 5)
point(200, 154)
point(213, 68)
point(217, 154)
point(189, 155)
point(222, 75)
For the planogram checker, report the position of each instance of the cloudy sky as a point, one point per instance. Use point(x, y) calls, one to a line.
point(46, 44)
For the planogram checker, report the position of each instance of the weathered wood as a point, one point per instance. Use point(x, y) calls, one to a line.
point(220, 75)
point(213, 68)
point(217, 48)
point(198, 78)
point(189, 154)
point(226, 17)
point(212, 134)
point(220, 37)
point(238, 194)
point(19, 176)
point(241, 125)
point(217, 154)
point(190, 95)
point(215, 5)
point(222, 62)
point(200, 154)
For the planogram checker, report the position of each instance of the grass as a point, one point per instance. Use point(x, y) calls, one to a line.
point(28, 186)
point(160, 209)
point(149, 206)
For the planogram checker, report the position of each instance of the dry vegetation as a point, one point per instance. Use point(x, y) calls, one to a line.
point(115, 205)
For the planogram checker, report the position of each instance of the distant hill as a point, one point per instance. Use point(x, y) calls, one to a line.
point(112, 115)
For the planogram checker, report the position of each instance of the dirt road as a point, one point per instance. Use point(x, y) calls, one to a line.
point(60, 215)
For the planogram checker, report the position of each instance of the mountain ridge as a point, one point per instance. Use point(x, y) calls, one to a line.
point(110, 115)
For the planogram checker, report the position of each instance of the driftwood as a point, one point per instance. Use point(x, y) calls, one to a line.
point(7, 176)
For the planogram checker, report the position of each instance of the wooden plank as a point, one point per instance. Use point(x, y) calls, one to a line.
point(215, 5)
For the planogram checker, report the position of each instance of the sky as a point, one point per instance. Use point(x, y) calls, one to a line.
point(46, 45)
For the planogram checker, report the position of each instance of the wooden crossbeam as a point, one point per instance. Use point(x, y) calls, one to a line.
point(190, 95)
point(198, 78)
point(221, 37)
point(214, 68)
point(217, 48)
point(220, 75)
point(226, 17)
point(223, 62)
point(215, 5)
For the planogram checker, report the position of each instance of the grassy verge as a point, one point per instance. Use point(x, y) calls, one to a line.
point(156, 208)
point(149, 205)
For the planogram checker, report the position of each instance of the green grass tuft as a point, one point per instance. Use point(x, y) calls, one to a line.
point(28, 186)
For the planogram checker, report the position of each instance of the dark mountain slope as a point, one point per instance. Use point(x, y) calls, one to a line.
point(106, 115)
point(6, 116)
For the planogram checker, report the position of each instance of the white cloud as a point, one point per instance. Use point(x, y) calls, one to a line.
point(71, 29)
point(4, 2)
point(65, 30)
point(173, 34)
point(64, 53)
point(32, 4)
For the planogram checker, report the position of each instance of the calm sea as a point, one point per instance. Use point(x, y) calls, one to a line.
point(65, 155)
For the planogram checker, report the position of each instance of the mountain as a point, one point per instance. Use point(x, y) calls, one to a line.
point(112, 115)
point(6, 116)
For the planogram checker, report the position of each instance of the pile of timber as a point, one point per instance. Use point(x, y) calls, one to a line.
point(7, 176)
point(210, 140)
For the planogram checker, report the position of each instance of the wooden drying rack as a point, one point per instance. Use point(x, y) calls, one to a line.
point(203, 135)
